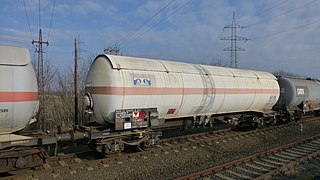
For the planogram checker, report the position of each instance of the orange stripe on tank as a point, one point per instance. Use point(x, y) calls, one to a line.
point(18, 96)
point(175, 91)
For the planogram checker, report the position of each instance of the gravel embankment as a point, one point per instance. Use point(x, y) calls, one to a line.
point(174, 164)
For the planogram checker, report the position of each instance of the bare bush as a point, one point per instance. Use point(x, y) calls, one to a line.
point(57, 102)
point(288, 74)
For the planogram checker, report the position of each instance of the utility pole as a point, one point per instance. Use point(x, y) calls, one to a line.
point(40, 52)
point(40, 76)
point(76, 122)
point(234, 38)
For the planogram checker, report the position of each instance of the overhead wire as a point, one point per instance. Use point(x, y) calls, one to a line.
point(54, 3)
point(156, 24)
point(132, 34)
point(39, 15)
point(283, 31)
point(129, 35)
point(265, 10)
point(287, 12)
point(25, 10)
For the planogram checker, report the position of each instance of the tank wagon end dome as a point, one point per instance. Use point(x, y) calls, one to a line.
point(14, 56)
point(18, 90)
point(107, 58)
point(127, 62)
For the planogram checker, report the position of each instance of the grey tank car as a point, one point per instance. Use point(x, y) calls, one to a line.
point(298, 96)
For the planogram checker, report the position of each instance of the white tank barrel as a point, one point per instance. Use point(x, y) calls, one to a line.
point(176, 89)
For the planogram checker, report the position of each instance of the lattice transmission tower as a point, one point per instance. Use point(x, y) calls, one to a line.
point(233, 39)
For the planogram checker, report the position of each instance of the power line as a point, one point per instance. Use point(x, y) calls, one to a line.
point(25, 10)
point(54, 3)
point(40, 74)
point(283, 31)
point(287, 12)
point(143, 24)
point(268, 9)
point(159, 22)
point(39, 15)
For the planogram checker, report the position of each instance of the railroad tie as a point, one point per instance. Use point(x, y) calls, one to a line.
point(256, 167)
point(283, 159)
point(192, 140)
point(62, 163)
point(205, 137)
point(89, 168)
point(158, 146)
point(77, 160)
point(296, 152)
point(272, 162)
point(223, 176)
point(46, 166)
point(248, 171)
point(238, 175)
point(217, 135)
point(266, 165)
point(291, 154)
point(311, 146)
point(302, 150)
point(285, 156)
point(316, 142)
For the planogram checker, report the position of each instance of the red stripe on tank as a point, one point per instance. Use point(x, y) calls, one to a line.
point(175, 91)
point(18, 96)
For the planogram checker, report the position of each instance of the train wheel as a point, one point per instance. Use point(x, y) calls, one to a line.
point(258, 122)
point(109, 147)
point(291, 117)
point(152, 141)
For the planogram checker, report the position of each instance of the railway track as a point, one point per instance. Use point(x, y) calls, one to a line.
point(263, 165)
point(229, 134)
point(71, 163)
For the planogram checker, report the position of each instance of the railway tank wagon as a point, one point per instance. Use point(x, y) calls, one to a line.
point(18, 89)
point(298, 96)
point(131, 92)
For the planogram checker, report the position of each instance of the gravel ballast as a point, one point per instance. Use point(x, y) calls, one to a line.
point(172, 164)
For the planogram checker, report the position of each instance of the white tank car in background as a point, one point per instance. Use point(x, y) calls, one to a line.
point(123, 88)
point(18, 89)
point(298, 96)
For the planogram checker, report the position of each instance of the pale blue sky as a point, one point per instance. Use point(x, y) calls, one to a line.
point(284, 33)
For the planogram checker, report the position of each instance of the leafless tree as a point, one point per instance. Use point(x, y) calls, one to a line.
point(288, 74)
point(57, 103)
